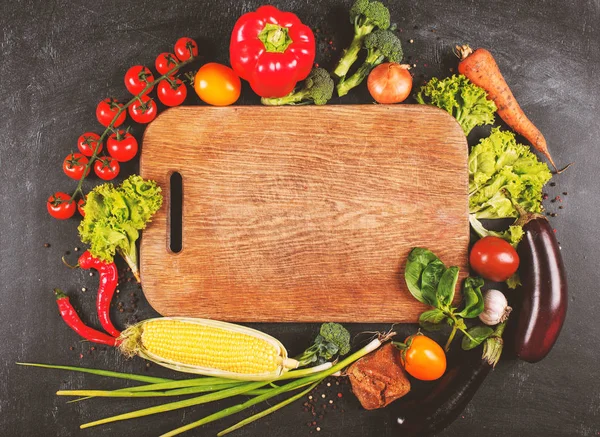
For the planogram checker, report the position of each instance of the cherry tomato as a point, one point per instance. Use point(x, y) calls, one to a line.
point(494, 259)
point(137, 78)
point(122, 146)
point(60, 206)
point(165, 62)
point(169, 95)
point(74, 166)
point(390, 83)
point(80, 205)
point(143, 112)
point(106, 111)
point(217, 84)
point(424, 359)
point(87, 142)
point(184, 46)
point(106, 168)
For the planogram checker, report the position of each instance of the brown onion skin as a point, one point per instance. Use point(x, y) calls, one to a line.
point(543, 291)
point(390, 83)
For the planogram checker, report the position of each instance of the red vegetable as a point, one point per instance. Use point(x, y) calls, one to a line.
point(165, 62)
point(60, 206)
point(390, 83)
point(185, 48)
point(171, 94)
point(543, 293)
point(73, 320)
point(122, 146)
point(106, 111)
point(137, 78)
point(88, 142)
point(74, 166)
point(143, 110)
point(480, 68)
point(494, 259)
point(272, 50)
point(106, 168)
point(109, 278)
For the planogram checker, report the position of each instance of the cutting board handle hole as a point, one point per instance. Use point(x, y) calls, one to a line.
point(176, 212)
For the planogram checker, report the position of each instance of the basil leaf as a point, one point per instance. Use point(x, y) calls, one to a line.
point(429, 281)
point(431, 320)
point(418, 260)
point(446, 287)
point(479, 334)
point(473, 298)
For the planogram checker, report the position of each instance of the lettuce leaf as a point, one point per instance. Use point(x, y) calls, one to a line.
point(502, 171)
point(115, 215)
point(465, 101)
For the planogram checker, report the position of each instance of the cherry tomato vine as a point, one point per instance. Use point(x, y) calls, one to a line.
point(112, 114)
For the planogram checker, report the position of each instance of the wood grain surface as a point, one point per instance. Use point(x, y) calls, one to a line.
point(302, 213)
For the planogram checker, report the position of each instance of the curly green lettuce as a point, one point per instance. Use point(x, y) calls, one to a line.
point(115, 215)
point(465, 101)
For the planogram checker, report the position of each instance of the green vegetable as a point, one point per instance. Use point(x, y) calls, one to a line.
point(333, 339)
point(318, 88)
point(430, 282)
point(478, 335)
point(115, 215)
point(503, 172)
point(366, 16)
point(381, 45)
point(465, 101)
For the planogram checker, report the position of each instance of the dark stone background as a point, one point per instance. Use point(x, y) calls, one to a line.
point(59, 58)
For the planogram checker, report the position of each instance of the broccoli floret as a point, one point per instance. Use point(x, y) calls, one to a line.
point(318, 88)
point(333, 339)
point(366, 16)
point(381, 45)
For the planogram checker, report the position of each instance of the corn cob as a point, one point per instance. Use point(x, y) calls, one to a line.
point(207, 347)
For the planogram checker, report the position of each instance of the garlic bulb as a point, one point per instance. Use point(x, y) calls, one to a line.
point(495, 308)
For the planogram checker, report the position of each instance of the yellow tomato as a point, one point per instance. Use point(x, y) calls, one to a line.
point(217, 84)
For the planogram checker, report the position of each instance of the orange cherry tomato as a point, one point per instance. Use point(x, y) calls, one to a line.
point(217, 84)
point(423, 358)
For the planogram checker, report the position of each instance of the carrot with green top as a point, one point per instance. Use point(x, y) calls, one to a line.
point(480, 68)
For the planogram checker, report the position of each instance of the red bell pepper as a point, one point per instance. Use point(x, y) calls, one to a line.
point(272, 50)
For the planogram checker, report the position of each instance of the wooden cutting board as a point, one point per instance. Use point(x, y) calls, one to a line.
point(302, 214)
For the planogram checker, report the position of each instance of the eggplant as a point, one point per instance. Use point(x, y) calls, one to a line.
point(543, 306)
point(446, 401)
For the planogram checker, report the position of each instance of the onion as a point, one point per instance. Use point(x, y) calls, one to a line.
point(390, 83)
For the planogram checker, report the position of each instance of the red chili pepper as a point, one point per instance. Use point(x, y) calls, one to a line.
point(272, 50)
point(72, 319)
point(109, 277)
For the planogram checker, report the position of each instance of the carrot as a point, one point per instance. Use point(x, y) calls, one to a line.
point(480, 68)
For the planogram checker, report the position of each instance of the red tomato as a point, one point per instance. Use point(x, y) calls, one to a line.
point(60, 206)
point(390, 83)
point(143, 112)
point(423, 358)
point(107, 110)
point(494, 259)
point(106, 168)
point(217, 84)
point(87, 142)
point(122, 146)
point(80, 205)
point(74, 166)
point(165, 62)
point(184, 46)
point(169, 95)
point(137, 78)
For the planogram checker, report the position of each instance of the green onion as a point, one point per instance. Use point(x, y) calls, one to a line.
point(268, 410)
point(223, 394)
point(131, 376)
